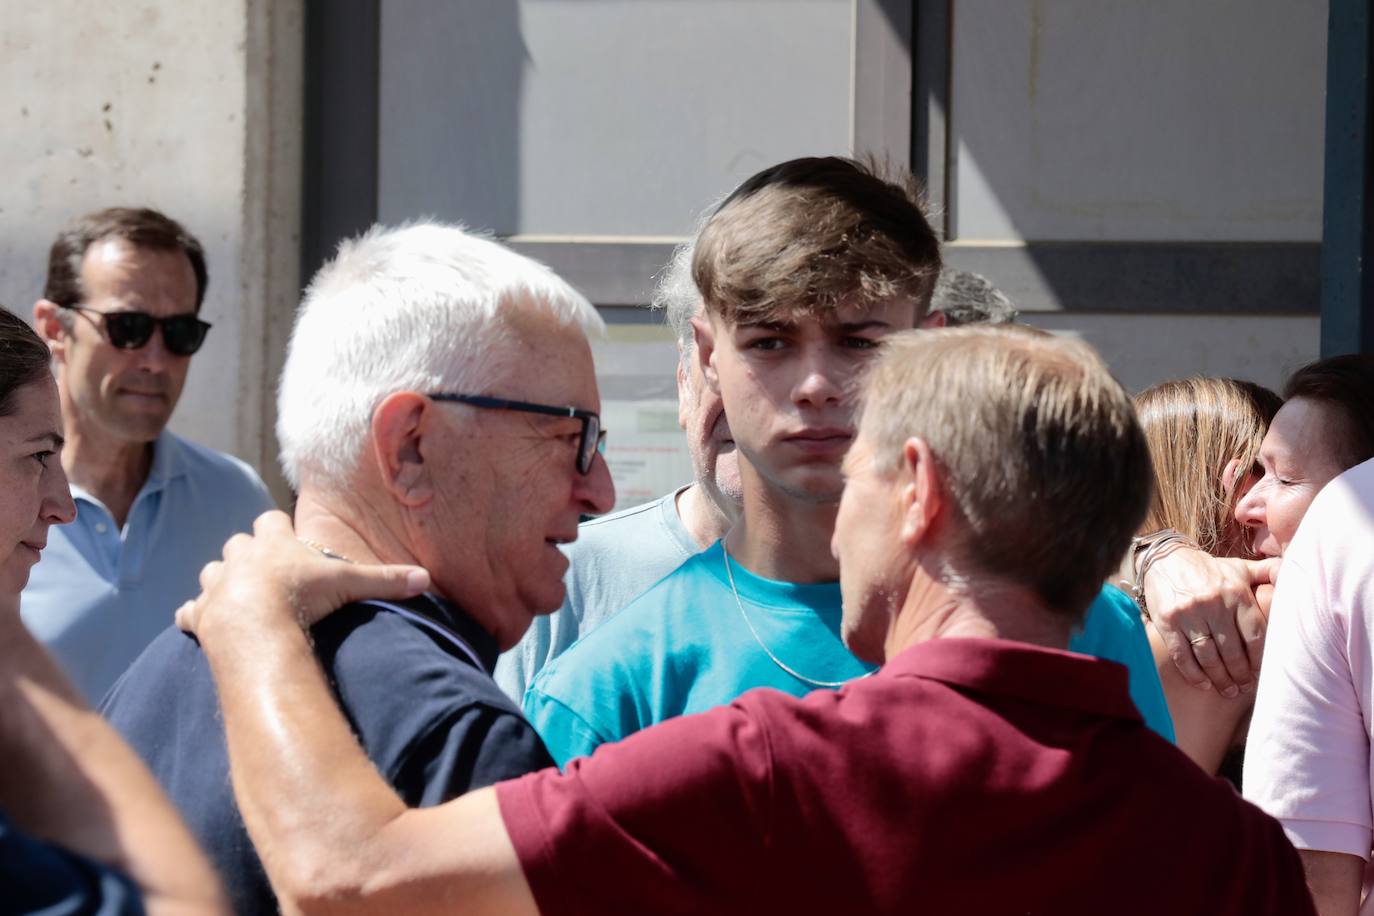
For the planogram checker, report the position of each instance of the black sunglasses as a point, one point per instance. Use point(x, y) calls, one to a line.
point(593, 436)
point(182, 334)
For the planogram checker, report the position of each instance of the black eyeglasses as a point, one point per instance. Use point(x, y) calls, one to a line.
point(182, 334)
point(593, 436)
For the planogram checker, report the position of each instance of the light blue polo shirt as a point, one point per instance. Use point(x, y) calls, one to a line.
point(100, 594)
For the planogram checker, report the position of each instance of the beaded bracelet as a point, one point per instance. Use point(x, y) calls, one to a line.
point(1145, 550)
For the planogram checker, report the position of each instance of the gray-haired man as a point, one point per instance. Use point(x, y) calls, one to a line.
point(618, 556)
point(413, 434)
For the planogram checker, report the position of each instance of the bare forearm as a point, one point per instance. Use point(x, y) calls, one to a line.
point(1205, 722)
point(332, 834)
point(1334, 879)
point(70, 779)
point(309, 796)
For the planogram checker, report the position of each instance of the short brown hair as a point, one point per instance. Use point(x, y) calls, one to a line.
point(1345, 383)
point(810, 235)
point(140, 227)
point(24, 358)
point(1195, 427)
point(1043, 463)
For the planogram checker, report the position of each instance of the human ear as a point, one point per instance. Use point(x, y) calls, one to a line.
point(48, 323)
point(935, 319)
point(685, 395)
point(1231, 475)
point(399, 427)
point(704, 333)
point(920, 491)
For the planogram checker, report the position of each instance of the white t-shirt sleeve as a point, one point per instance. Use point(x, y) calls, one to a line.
point(1307, 756)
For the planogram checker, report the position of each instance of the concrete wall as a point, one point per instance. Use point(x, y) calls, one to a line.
point(1164, 121)
point(1069, 119)
point(1161, 121)
point(191, 107)
point(601, 117)
point(1144, 349)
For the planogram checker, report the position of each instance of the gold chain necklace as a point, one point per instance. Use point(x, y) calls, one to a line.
point(729, 574)
point(323, 549)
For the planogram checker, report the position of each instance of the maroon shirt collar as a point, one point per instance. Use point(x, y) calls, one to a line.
point(1017, 669)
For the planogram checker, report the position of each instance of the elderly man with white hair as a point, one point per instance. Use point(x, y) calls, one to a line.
point(618, 557)
point(414, 431)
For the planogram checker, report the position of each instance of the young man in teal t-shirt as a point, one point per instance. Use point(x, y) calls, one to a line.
point(802, 271)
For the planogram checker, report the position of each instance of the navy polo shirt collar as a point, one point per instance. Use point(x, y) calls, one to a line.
point(450, 615)
point(1015, 669)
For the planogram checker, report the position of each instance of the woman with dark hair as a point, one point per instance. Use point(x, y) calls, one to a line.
point(111, 842)
point(33, 487)
point(24, 358)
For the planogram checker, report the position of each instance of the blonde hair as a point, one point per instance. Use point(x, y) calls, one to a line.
point(1043, 461)
point(1195, 427)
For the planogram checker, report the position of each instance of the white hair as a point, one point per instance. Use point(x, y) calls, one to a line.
point(969, 298)
point(676, 293)
point(423, 307)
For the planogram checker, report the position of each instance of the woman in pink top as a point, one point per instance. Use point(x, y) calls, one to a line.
point(1237, 495)
point(1325, 427)
point(1309, 759)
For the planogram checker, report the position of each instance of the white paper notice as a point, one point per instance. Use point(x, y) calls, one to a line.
point(645, 448)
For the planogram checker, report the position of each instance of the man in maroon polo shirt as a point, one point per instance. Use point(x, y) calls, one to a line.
point(996, 480)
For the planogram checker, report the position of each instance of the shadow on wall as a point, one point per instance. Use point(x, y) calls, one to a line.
point(1075, 123)
point(1106, 160)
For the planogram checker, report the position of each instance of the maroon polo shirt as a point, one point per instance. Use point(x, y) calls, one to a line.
point(967, 776)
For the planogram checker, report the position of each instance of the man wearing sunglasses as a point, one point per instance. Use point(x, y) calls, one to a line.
point(413, 429)
point(121, 314)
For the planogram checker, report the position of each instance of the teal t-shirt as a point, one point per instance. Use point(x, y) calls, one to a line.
point(1113, 630)
point(685, 646)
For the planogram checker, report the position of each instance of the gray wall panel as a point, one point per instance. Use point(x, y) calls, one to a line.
point(1168, 120)
point(602, 117)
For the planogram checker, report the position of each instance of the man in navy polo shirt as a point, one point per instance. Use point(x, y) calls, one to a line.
point(414, 432)
point(982, 769)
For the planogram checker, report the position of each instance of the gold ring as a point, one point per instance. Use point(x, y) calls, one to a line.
point(1200, 639)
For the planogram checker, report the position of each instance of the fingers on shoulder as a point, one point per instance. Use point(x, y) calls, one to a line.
point(273, 521)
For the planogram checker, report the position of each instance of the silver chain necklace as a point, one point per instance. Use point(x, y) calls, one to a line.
point(729, 574)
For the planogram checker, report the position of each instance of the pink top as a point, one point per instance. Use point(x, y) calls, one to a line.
point(1307, 759)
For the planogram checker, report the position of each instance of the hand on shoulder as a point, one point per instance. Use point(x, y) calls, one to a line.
point(271, 579)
